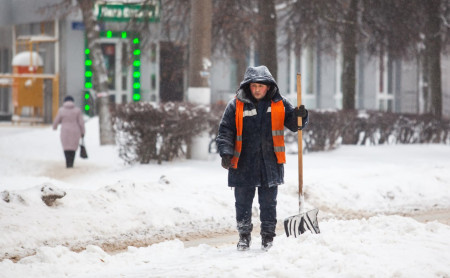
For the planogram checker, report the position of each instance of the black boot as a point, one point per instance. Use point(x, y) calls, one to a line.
point(267, 242)
point(244, 242)
point(70, 157)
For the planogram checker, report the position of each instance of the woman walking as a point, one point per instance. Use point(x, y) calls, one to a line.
point(72, 128)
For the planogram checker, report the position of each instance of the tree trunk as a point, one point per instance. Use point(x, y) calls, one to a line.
point(200, 43)
point(100, 79)
point(266, 45)
point(349, 52)
point(172, 69)
point(241, 68)
point(433, 53)
point(199, 90)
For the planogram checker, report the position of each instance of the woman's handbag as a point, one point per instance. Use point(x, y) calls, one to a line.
point(83, 152)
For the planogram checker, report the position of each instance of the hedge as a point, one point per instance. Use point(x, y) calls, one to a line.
point(329, 129)
point(162, 132)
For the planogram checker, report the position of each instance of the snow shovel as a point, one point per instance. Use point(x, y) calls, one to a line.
point(298, 224)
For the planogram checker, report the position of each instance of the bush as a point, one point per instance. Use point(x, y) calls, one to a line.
point(327, 130)
point(161, 132)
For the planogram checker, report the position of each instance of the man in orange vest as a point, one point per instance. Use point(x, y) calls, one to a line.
point(251, 144)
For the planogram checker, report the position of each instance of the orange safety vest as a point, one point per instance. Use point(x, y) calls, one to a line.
point(277, 116)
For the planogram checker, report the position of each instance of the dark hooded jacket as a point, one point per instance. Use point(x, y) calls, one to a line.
point(257, 164)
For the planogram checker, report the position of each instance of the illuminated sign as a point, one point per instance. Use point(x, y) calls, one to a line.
point(136, 56)
point(125, 12)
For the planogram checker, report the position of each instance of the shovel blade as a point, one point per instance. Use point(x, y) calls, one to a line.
point(298, 224)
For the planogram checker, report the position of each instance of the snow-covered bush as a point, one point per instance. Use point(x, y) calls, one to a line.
point(161, 132)
point(328, 129)
point(147, 131)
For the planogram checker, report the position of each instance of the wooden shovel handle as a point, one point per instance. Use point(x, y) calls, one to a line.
point(300, 139)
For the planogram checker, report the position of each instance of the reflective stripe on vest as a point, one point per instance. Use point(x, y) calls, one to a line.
point(277, 116)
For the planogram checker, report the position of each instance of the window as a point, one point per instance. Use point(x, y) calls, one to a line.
point(385, 95)
point(309, 71)
point(293, 68)
point(153, 81)
point(338, 91)
point(308, 67)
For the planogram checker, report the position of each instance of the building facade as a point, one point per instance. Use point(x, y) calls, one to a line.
point(382, 83)
point(132, 72)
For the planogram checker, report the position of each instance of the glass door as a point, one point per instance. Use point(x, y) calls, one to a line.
point(116, 56)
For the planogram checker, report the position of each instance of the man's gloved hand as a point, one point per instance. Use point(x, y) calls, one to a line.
point(301, 111)
point(226, 161)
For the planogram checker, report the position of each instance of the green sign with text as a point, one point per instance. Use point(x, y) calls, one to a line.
point(124, 12)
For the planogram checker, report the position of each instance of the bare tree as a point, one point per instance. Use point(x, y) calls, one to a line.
point(266, 35)
point(332, 22)
point(100, 78)
point(239, 24)
point(392, 27)
point(349, 52)
point(175, 20)
point(433, 49)
point(236, 25)
point(234, 30)
point(424, 33)
point(379, 26)
point(199, 90)
point(200, 43)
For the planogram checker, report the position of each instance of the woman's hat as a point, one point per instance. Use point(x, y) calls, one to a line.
point(68, 98)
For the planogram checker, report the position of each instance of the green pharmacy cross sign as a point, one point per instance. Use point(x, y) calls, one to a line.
point(125, 12)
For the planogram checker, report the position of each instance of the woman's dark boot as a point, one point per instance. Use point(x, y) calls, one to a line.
point(70, 157)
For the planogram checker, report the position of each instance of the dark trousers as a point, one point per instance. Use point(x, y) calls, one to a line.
point(267, 198)
point(70, 157)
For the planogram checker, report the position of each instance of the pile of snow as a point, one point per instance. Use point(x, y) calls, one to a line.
point(27, 58)
point(104, 204)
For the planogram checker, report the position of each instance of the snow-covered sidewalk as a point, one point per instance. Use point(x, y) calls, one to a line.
point(385, 246)
point(108, 203)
